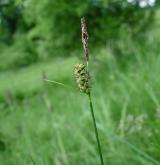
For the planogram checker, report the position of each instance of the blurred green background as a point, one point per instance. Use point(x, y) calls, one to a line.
point(46, 124)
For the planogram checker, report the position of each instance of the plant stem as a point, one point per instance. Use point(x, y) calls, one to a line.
point(95, 128)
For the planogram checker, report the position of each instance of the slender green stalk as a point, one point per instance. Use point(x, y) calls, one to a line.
point(61, 84)
point(83, 81)
point(96, 130)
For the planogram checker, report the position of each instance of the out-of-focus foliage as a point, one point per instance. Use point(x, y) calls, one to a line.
point(10, 20)
point(51, 26)
point(58, 22)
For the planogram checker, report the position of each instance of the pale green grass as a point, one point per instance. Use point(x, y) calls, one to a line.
point(31, 77)
point(54, 125)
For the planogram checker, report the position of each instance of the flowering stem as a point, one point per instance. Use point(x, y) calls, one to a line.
point(95, 128)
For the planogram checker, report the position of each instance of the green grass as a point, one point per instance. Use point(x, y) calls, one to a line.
point(49, 124)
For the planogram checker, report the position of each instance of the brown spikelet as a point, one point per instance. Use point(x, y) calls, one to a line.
point(85, 38)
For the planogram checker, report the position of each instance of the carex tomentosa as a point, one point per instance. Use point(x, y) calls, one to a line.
point(82, 78)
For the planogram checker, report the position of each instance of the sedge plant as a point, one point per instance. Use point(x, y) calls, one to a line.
point(82, 77)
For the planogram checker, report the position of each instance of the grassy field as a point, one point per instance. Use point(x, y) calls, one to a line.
point(43, 123)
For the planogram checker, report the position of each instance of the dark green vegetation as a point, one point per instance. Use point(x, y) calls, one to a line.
point(43, 123)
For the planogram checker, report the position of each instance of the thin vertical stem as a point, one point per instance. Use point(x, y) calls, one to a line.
point(85, 38)
point(96, 130)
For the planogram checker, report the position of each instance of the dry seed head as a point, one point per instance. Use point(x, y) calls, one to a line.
point(82, 78)
point(85, 38)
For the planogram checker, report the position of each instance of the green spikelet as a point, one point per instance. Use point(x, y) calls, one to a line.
point(82, 78)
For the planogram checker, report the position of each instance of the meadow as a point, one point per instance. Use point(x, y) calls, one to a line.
point(43, 123)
